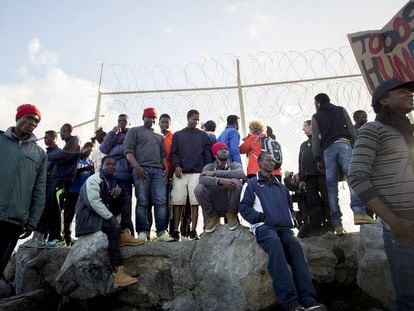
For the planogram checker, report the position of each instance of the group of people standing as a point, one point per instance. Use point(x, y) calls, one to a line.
point(191, 168)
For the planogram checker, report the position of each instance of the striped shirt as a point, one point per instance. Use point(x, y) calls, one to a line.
point(380, 167)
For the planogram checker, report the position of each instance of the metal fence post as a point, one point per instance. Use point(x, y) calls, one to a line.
point(241, 103)
point(98, 102)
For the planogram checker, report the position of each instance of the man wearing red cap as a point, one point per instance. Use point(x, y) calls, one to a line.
point(145, 151)
point(23, 167)
point(218, 191)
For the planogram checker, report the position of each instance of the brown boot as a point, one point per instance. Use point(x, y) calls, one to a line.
point(122, 279)
point(212, 224)
point(126, 239)
point(232, 221)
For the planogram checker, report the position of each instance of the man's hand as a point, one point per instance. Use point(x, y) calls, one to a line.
point(116, 129)
point(27, 231)
point(302, 185)
point(178, 172)
point(208, 173)
point(140, 172)
point(320, 166)
point(403, 231)
point(116, 192)
point(227, 183)
point(165, 174)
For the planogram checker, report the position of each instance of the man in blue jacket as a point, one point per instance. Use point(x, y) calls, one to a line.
point(23, 182)
point(267, 206)
point(231, 137)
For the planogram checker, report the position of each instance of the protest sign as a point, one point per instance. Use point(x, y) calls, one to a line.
point(389, 52)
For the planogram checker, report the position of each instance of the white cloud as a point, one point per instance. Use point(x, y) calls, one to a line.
point(60, 97)
point(169, 30)
point(39, 55)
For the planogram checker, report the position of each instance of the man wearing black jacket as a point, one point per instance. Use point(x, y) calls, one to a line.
point(190, 152)
point(312, 182)
point(63, 173)
point(332, 139)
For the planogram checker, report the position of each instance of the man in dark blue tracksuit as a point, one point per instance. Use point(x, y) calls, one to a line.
point(266, 205)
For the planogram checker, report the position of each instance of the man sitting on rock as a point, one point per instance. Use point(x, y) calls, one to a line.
point(100, 201)
point(267, 206)
point(218, 191)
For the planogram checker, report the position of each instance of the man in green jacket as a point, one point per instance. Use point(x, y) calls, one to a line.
point(23, 181)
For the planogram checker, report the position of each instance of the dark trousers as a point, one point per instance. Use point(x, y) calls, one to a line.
point(50, 222)
point(317, 203)
point(125, 201)
point(122, 206)
point(112, 232)
point(283, 250)
point(9, 234)
point(71, 198)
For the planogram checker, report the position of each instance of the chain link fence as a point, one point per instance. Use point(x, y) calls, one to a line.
point(277, 88)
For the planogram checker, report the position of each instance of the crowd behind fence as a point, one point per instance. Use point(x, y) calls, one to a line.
point(277, 88)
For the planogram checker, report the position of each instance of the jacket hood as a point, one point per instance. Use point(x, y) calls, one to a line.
point(9, 133)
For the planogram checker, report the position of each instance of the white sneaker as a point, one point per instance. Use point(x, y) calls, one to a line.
point(142, 236)
point(165, 237)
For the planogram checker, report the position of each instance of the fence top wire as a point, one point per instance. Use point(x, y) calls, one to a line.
point(277, 88)
point(221, 72)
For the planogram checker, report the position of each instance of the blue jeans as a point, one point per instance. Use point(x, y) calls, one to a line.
point(401, 264)
point(154, 184)
point(337, 157)
point(283, 249)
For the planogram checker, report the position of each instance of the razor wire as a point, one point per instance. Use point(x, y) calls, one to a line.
point(277, 88)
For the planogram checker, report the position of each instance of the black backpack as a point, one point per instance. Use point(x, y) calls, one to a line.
point(273, 147)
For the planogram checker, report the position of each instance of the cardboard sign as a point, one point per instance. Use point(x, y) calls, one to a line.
point(389, 52)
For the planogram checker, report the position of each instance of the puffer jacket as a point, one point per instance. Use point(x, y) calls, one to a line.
point(92, 205)
point(23, 182)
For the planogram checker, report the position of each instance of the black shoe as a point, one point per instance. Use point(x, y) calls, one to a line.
point(295, 306)
point(176, 235)
point(316, 307)
point(194, 235)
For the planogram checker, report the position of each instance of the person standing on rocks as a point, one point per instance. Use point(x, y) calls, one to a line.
point(190, 152)
point(333, 136)
point(23, 166)
point(145, 151)
point(100, 201)
point(266, 205)
point(382, 174)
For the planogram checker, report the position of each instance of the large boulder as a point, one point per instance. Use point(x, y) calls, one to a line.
point(332, 258)
point(373, 272)
point(86, 272)
point(37, 268)
point(228, 265)
point(224, 270)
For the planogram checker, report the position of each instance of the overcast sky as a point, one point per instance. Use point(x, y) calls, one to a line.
point(51, 50)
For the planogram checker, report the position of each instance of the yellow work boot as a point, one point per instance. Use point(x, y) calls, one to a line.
point(122, 279)
point(363, 219)
point(232, 221)
point(212, 224)
point(126, 239)
point(339, 231)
